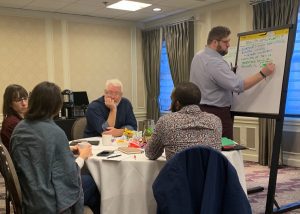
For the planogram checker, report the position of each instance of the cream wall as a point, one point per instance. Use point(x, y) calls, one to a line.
point(23, 51)
point(76, 52)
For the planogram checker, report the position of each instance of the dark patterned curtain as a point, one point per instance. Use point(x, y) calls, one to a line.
point(151, 45)
point(265, 15)
point(180, 48)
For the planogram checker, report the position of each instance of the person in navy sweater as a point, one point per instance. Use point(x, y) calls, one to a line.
point(111, 113)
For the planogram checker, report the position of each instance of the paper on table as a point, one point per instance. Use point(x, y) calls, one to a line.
point(130, 150)
point(119, 158)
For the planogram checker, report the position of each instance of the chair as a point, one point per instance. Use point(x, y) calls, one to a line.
point(87, 210)
point(78, 128)
point(199, 180)
point(77, 132)
point(12, 185)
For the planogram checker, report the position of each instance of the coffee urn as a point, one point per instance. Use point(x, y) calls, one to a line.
point(67, 110)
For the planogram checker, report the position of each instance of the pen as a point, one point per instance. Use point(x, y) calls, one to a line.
point(113, 156)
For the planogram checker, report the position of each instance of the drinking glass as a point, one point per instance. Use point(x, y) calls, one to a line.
point(149, 126)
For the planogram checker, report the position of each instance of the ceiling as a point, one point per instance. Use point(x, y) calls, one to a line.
point(97, 8)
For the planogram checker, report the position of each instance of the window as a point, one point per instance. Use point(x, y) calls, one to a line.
point(292, 107)
point(166, 82)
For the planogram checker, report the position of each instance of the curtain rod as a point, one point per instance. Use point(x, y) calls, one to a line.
point(254, 2)
point(191, 19)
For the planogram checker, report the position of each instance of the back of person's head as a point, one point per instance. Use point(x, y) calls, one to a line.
point(12, 92)
point(186, 93)
point(218, 33)
point(45, 101)
point(114, 82)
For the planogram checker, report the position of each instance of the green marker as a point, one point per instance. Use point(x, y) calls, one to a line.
point(263, 65)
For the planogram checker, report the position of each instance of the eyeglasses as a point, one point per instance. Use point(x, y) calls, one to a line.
point(20, 99)
point(224, 41)
point(112, 94)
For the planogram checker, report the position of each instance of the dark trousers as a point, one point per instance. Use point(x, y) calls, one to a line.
point(226, 117)
point(91, 193)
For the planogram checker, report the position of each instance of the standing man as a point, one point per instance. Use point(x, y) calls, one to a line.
point(211, 73)
point(111, 113)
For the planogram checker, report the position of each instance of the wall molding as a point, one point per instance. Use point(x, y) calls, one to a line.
point(49, 49)
point(246, 120)
point(65, 55)
point(140, 114)
point(291, 124)
point(291, 159)
point(250, 157)
point(133, 68)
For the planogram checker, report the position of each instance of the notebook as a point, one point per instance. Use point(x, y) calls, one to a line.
point(228, 145)
point(92, 142)
point(234, 147)
point(130, 150)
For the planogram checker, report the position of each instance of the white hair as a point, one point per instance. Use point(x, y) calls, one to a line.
point(114, 82)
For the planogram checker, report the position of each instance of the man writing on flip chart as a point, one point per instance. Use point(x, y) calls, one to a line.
point(216, 81)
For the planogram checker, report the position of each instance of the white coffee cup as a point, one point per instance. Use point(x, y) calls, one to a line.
point(106, 139)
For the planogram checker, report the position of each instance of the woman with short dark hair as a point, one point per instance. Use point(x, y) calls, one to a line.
point(14, 107)
point(47, 171)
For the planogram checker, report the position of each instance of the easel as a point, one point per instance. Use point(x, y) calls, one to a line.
point(279, 126)
point(278, 138)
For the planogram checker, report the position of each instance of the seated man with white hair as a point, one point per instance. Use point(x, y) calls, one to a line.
point(111, 113)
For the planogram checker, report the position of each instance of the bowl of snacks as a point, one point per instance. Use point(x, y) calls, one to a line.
point(128, 133)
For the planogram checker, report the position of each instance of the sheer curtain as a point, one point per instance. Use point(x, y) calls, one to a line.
point(179, 39)
point(265, 15)
point(151, 45)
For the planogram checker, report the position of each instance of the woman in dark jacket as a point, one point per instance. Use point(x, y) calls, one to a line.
point(15, 104)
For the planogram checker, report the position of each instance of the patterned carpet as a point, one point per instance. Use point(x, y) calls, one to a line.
point(287, 191)
point(287, 187)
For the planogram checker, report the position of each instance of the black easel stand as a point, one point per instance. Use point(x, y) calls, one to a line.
point(273, 175)
point(286, 37)
point(255, 190)
point(287, 207)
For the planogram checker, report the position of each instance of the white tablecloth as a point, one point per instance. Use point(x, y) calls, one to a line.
point(125, 182)
point(236, 159)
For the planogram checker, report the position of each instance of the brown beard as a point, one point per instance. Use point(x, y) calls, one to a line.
point(220, 51)
point(175, 107)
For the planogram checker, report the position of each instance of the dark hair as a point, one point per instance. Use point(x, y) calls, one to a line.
point(12, 92)
point(218, 33)
point(186, 93)
point(45, 101)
